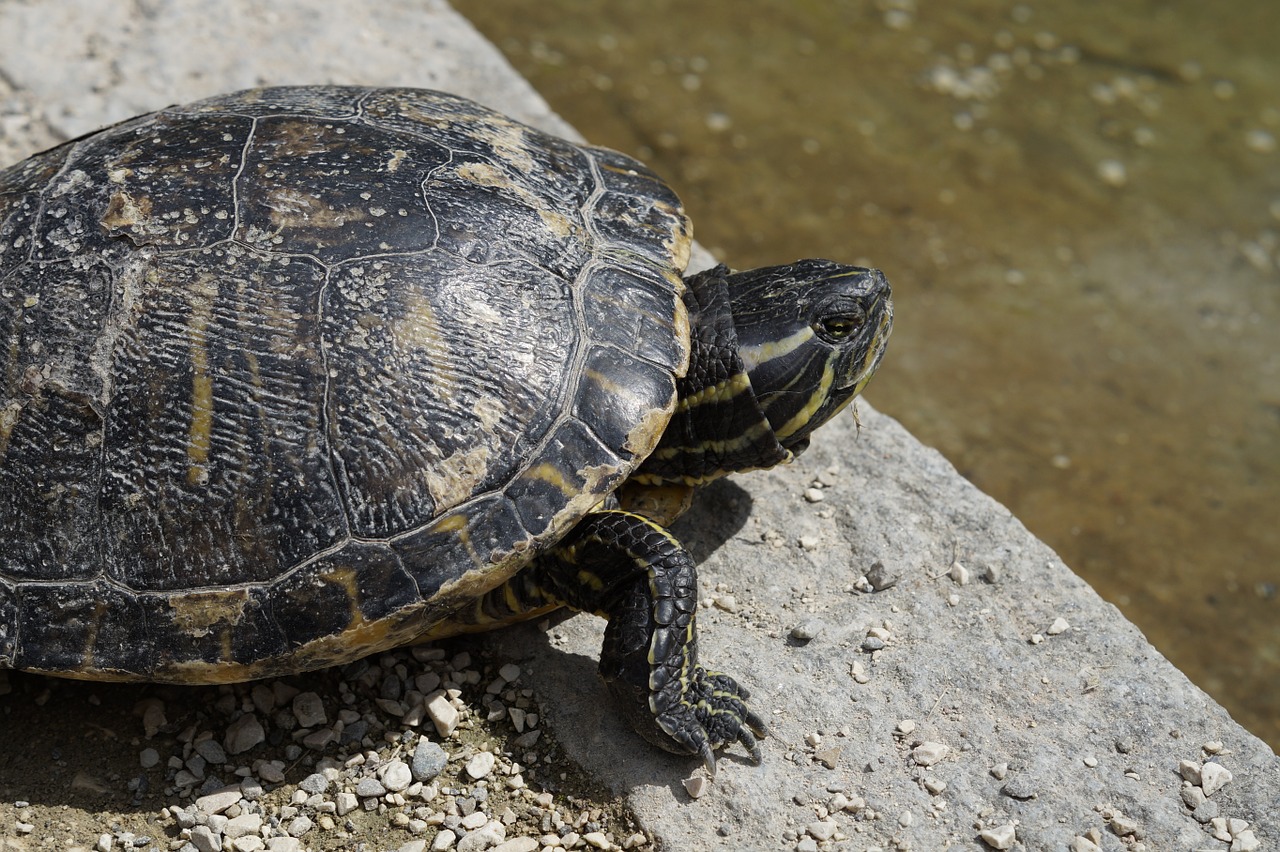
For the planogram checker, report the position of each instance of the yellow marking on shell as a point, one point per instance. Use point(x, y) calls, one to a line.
point(195, 613)
point(552, 475)
point(644, 436)
point(91, 635)
point(124, 211)
point(456, 478)
point(753, 356)
point(200, 433)
point(397, 157)
point(8, 419)
point(346, 579)
point(816, 401)
point(484, 174)
point(719, 392)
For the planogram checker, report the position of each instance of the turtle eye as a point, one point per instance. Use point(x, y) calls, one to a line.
point(837, 327)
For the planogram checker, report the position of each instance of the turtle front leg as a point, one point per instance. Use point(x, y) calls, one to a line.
point(632, 571)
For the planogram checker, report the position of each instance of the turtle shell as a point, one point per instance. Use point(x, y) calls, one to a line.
point(287, 376)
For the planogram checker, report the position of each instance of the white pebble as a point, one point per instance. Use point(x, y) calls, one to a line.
point(959, 573)
point(443, 714)
point(444, 840)
point(1260, 141)
point(1213, 777)
point(396, 775)
point(814, 495)
point(929, 753)
point(1190, 771)
point(1113, 173)
point(510, 672)
point(481, 765)
point(1059, 625)
point(1001, 837)
point(695, 785)
point(906, 726)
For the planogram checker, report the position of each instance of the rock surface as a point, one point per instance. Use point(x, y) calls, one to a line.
point(1090, 723)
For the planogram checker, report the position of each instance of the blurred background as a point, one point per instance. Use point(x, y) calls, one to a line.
point(1078, 205)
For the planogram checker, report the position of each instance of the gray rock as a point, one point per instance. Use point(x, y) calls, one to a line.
point(243, 734)
point(211, 750)
point(428, 760)
point(370, 787)
point(314, 783)
point(308, 709)
point(205, 839)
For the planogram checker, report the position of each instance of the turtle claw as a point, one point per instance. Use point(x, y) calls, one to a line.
point(705, 713)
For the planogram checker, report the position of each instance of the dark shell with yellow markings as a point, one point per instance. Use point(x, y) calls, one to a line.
point(288, 375)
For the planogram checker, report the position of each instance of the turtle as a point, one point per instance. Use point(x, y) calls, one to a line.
point(295, 375)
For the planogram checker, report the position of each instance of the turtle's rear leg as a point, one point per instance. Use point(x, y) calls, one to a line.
point(632, 571)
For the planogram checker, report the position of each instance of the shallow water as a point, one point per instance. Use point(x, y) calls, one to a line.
point(1079, 208)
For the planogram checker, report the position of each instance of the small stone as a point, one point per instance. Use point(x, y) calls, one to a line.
point(959, 574)
point(809, 542)
point(1112, 173)
point(1205, 812)
point(807, 844)
point(414, 846)
point(481, 765)
point(1260, 141)
point(248, 843)
point(530, 844)
point(935, 786)
point(727, 603)
point(1123, 826)
point(243, 734)
point(314, 783)
point(1213, 746)
point(271, 771)
point(475, 820)
point(596, 839)
point(1213, 777)
point(829, 757)
point(814, 495)
point(880, 577)
point(346, 803)
point(104, 844)
point(396, 776)
point(1020, 787)
point(999, 771)
point(284, 844)
point(443, 714)
point(991, 574)
point(1090, 761)
point(205, 839)
point(308, 709)
point(696, 785)
point(444, 840)
point(212, 751)
point(428, 760)
point(1084, 844)
point(242, 825)
point(929, 753)
point(369, 788)
point(1189, 770)
point(219, 800)
point(299, 826)
point(482, 838)
point(1192, 797)
point(873, 643)
point(1059, 625)
point(906, 727)
point(153, 718)
point(1245, 841)
point(822, 830)
point(807, 630)
point(1001, 837)
point(148, 758)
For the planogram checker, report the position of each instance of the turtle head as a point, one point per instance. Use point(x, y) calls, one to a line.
point(810, 336)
